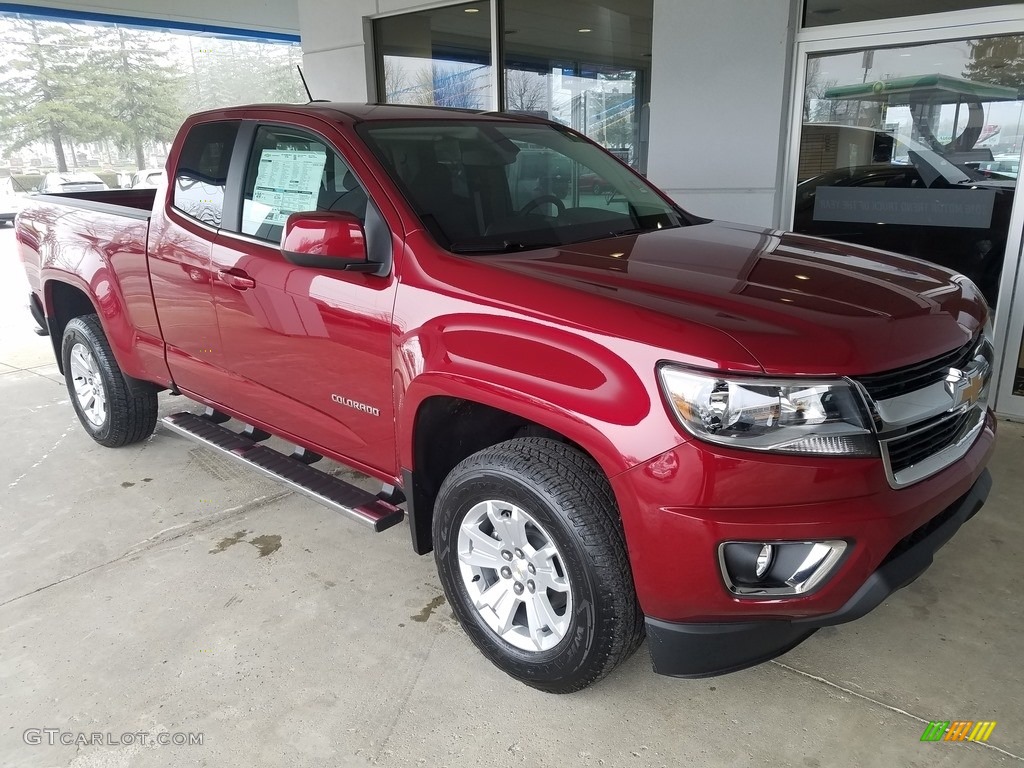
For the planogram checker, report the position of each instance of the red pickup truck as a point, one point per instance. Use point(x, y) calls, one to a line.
point(607, 418)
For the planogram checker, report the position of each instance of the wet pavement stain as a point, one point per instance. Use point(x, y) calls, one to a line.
point(267, 545)
point(428, 609)
point(229, 541)
point(326, 582)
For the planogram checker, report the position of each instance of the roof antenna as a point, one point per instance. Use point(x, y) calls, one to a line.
point(303, 78)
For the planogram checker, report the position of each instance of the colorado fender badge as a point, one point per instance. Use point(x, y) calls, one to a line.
point(350, 403)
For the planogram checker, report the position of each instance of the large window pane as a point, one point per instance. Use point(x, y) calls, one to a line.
point(916, 150)
point(440, 57)
point(821, 12)
point(584, 64)
point(95, 99)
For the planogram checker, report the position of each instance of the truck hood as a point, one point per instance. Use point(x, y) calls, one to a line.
point(799, 305)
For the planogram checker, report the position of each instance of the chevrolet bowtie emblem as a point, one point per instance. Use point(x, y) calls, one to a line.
point(965, 387)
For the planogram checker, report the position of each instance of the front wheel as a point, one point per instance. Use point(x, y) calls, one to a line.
point(531, 555)
point(111, 414)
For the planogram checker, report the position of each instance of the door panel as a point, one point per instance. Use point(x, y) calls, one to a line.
point(309, 350)
point(181, 237)
point(179, 269)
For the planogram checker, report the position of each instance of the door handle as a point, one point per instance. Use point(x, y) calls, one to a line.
point(237, 279)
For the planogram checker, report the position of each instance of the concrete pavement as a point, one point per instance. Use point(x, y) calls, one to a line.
point(160, 588)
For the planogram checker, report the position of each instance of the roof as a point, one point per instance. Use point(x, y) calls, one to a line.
point(357, 113)
point(942, 88)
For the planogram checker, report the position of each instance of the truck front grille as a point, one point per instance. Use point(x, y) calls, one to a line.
point(884, 386)
point(907, 451)
point(928, 449)
point(928, 415)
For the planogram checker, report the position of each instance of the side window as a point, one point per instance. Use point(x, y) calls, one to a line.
point(203, 170)
point(288, 171)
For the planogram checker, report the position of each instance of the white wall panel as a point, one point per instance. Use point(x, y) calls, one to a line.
point(750, 206)
point(329, 25)
point(337, 75)
point(718, 99)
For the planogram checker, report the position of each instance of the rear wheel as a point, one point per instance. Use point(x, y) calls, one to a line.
point(530, 551)
point(111, 414)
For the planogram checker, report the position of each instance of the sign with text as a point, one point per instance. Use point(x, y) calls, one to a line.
point(288, 181)
point(970, 208)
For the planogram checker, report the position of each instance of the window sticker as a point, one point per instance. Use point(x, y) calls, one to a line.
point(288, 181)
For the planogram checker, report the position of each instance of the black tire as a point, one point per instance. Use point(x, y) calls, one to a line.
point(566, 492)
point(129, 417)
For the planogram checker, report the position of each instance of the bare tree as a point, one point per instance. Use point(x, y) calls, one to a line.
point(396, 82)
point(450, 86)
point(525, 91)
point(814, 89)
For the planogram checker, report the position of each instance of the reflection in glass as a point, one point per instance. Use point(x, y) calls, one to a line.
point(820, 12)
point(915, 150)
point(583, 64)
point(500, 187)
point(440, 57)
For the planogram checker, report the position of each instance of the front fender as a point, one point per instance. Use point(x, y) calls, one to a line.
point(552, 376)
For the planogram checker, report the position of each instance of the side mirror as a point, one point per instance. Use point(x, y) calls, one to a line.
point(326, 240)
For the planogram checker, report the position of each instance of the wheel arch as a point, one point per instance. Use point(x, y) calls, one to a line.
point(442, 426)
point(65, 299)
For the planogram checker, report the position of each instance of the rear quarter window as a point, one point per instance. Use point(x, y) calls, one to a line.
point(202, 171)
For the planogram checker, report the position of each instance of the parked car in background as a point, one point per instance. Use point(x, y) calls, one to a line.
point(57, 183)
point(1000, 167)
point(150, 178)
point(591, 182)
point(10, 200)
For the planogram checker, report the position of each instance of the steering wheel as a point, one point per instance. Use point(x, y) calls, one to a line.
point(540, 201)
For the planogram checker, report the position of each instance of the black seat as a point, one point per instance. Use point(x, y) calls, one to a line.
point(434, 190)
point(351, 198)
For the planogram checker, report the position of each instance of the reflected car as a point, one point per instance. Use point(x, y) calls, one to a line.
point(150, 178)
point(1000, 167)
point(11, 200)
point(974, 251)
point(592, 183)
point(58, 183)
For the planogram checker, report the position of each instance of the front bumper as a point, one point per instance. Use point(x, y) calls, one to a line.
point(701, 649)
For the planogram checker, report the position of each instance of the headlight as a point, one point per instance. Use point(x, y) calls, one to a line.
point(782, 415)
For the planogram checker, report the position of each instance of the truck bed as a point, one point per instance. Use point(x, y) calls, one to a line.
point(136, 203)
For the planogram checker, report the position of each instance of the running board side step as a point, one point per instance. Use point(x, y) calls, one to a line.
point(351, 501)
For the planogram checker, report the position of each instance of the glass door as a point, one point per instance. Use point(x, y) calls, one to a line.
point(916, 148)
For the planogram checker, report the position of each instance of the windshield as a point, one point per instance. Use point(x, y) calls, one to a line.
point(484, 187)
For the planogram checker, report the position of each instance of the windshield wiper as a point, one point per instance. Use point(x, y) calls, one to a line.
point(505, 246)
point(624, 232)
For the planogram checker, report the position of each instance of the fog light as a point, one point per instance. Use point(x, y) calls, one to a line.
point(778, 569)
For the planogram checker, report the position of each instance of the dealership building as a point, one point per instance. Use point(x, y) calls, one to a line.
point(896, 125)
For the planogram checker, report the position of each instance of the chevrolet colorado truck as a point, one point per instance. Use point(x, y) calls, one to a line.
point(607, 417)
